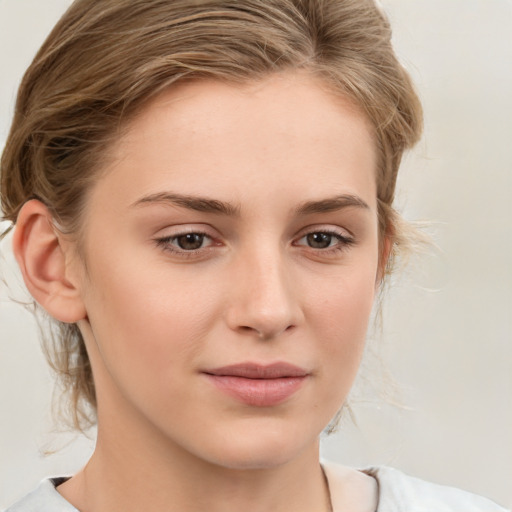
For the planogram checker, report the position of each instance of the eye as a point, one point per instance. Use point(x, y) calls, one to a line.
point(190, 241)
point(320, 240)
point(185, 242)
point(325, 240)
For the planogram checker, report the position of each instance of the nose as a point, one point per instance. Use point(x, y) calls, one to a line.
point(263, 301)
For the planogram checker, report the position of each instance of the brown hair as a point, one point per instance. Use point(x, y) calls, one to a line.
point(105, 59)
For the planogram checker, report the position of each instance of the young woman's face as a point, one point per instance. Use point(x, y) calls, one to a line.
point(232, 262)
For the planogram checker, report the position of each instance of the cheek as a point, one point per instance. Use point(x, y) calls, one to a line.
point(341, 305)
point(339, 313)
point(144, 322)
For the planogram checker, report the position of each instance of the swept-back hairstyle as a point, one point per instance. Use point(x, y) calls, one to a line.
point(105, 59)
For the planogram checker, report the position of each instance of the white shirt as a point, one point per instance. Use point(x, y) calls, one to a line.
point(397, 492)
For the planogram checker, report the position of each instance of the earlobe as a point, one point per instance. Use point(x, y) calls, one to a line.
point(42, 257)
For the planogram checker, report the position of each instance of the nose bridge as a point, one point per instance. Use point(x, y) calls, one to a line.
point(264, 302)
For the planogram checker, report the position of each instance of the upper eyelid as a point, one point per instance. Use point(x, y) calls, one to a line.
point(185, 229)
point(174, 236)
point(336, 230)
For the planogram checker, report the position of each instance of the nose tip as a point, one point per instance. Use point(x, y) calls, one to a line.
point(265, 304)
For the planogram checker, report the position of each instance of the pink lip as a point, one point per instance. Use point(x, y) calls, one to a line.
point(258, 385)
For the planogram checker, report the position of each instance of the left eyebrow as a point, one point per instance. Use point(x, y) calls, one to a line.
point(332, 204)
point(199, 204)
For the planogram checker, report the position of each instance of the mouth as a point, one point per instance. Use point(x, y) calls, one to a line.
point(258, 385)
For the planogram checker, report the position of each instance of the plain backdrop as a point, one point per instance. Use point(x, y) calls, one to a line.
point(447, 332)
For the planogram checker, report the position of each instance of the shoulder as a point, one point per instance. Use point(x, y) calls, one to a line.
point(44, 498)
point(398, 492)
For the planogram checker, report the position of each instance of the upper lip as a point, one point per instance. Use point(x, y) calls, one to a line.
point(251, 370)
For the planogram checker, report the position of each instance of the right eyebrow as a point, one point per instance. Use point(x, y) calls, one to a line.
point(197, 203)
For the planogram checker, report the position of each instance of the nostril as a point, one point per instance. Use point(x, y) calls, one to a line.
point(265, 333)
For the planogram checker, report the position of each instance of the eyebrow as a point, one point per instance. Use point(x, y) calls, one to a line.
point(332, 204)
point(199, 204)
point(208, 205)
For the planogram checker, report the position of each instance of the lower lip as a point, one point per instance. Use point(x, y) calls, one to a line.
point(258, 392)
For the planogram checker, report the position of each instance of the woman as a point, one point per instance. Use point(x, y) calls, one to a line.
point(202, 194)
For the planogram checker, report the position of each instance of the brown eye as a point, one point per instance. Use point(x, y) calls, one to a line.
point(189, 244)
point(325, 242)
point(319, 240)
point(190, 241)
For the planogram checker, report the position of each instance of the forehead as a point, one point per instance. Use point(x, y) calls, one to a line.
point(206, 134)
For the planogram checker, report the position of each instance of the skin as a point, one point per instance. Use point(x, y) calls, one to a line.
point(155, 316)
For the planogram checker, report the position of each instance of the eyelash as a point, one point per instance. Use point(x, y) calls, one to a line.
point(166, 244)
point(344, 242)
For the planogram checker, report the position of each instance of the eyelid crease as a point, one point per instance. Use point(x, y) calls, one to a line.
point(340, 231)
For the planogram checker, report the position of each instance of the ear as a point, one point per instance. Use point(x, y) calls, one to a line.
point(44, 258)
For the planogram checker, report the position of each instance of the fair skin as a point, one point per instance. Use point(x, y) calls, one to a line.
point(233, 225)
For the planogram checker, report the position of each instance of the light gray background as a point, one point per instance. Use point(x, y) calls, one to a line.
point(447, 336)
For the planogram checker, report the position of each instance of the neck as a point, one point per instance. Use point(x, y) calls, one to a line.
point(166, 477)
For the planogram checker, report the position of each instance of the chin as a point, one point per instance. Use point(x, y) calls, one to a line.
point(260, 446)
point(253, 460)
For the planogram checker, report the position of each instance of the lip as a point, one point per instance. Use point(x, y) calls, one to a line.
point(260, 385)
